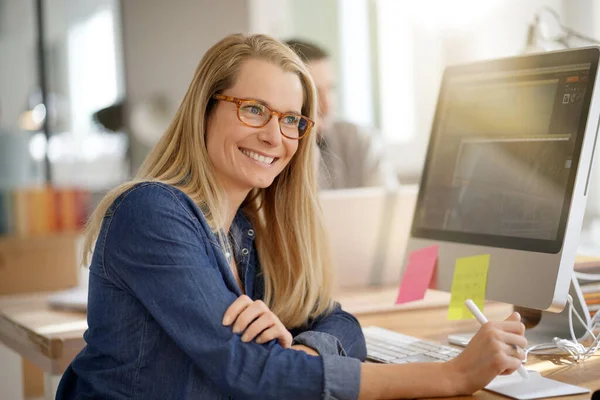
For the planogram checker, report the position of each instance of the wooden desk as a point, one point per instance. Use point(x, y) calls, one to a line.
point(47, 337)
point(51, 338)
point(430, 322)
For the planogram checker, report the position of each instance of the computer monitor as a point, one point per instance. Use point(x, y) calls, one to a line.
point(507, 172)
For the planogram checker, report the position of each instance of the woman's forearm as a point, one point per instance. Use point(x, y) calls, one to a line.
point(396, 381)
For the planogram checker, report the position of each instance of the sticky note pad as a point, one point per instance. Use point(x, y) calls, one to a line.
point(417, 274)
point(469, 282)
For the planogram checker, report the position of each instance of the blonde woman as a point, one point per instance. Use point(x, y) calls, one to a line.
point(210, 278)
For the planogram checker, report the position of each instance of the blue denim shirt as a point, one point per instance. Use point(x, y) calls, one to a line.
point(159, 287)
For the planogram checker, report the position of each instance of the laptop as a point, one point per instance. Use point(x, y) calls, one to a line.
point(368, 229)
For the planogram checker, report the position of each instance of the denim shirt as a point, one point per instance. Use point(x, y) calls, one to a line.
point(159, 287)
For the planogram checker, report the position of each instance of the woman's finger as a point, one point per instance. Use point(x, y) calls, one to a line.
point(511, 326)
point(260, 324)
point(234, 310)
point(513, 339)
point(514, 351)
point(248, 315)
point(283, 336)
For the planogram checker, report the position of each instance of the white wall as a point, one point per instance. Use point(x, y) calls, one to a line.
point(443, 33)
point(164, 41)
point(318, 21)
point(271, 17)
point(499, 29)
point(584, 17)
point(18, 71)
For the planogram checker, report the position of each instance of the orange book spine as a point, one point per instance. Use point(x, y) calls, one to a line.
point(41, 211)
point(82, 202)
point(52, 221)
point(58, 209)
point(20, 212)
point(68, 210)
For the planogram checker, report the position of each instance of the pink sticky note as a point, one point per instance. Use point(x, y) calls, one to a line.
point(418, 274)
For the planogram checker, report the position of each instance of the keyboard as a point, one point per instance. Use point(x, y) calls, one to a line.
point(385, 346)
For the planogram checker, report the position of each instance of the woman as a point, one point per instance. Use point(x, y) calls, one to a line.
point(209, 277)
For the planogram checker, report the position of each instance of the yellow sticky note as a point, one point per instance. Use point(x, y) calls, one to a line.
point(469, 282)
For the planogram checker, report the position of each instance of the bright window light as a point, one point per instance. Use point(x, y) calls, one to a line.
point(92, 69)
point(396, 75)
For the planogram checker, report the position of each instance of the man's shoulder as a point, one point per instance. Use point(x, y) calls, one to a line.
point(352, 134)
point(345, 127)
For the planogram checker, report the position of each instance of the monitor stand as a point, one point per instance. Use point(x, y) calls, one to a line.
point(551, 324)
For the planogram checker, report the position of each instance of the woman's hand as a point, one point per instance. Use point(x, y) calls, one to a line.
point(257, 321)
point(490, 352)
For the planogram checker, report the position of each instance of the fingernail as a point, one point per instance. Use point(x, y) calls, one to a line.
point(259, 341)
point(226, 321)
point(244, 338)
point(236, 330)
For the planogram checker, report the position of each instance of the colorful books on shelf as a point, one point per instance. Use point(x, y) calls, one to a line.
point(43, 210)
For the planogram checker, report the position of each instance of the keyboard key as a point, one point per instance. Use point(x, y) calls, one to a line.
point(419, 358)
point(383, 357)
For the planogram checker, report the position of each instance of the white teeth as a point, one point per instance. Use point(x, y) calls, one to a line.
point(258, 157)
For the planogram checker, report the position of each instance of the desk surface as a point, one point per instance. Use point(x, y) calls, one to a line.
point(51, 338)
point(47, 337)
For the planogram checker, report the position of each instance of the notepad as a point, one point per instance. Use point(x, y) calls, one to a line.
point(469, 282)
point(418, 274)
point(536, 387)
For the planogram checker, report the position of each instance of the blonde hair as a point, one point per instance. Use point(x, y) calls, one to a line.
point(295, 261)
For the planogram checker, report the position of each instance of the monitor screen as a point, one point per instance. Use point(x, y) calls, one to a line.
point(503, 154)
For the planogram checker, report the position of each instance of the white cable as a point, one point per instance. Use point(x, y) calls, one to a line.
point(573, 347)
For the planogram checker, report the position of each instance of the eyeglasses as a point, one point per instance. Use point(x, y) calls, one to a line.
point(255, 114)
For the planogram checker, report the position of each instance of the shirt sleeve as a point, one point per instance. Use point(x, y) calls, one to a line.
point(337, 332)
point(158, 251)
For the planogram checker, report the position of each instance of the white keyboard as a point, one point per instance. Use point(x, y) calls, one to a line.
point(386, 346)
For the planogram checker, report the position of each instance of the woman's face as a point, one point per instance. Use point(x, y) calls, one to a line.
point(245, 157)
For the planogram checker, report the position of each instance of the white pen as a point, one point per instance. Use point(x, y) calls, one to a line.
point(483, 320)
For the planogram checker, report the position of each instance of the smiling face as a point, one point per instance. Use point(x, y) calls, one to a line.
point(245, 157)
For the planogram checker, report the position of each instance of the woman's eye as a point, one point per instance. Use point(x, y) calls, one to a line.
point(290, 120)
point(254, 109)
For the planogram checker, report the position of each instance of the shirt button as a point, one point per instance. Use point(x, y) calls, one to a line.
point(250, 232)
point(245, 252)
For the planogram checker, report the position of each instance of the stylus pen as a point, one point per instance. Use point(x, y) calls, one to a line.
point(483, 320)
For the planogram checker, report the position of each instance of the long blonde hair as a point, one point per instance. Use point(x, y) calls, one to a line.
point(290, 237)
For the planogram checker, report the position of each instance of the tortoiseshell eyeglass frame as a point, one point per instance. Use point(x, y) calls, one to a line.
point(239, 102)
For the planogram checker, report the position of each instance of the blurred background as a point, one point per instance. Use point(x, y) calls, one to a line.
point(88, 86)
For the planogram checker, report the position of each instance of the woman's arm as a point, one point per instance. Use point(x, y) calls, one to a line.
point(156, 250)
point(338, 326)
point(406, 381)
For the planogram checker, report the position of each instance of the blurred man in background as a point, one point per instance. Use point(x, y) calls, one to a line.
point(350, 156)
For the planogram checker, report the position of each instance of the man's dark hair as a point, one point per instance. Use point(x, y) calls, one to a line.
point(307, 51)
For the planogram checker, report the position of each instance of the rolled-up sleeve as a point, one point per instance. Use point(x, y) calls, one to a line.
point(337, 332)
point(157, 250)
point(342, 377)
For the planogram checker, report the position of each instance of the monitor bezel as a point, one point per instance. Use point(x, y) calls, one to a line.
point(541, 60)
